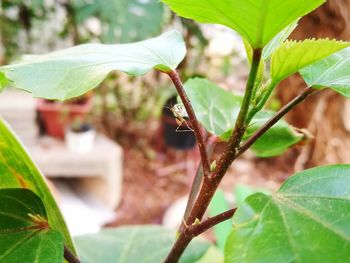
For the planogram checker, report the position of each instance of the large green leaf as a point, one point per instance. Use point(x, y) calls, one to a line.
point(258, 21)
point(25, 235)
point(241, 192)
point(72, 72)
point(18, 170)
point(273, 44)
point(218, 109)
point(307, 220)
point(146, 244)
point(123, 20)
point(292, 56)
point(332, 71)
point(215, 108)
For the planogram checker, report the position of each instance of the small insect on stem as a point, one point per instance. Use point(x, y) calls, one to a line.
point(179, 113)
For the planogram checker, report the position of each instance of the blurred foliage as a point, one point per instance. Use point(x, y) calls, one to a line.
point(17, 16)
point(121, 101)
point(122, 20)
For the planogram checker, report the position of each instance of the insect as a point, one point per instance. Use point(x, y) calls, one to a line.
point(179, 113)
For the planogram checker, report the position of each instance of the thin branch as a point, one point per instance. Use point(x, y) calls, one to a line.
point(196, 230)
point(211, 182)
point(193, 120)
point(278, 116)
point(69, 256)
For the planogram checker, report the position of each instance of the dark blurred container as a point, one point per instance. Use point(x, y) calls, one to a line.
point(176, 139)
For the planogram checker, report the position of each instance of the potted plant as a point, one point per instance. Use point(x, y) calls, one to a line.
point(80, 136)
point(54, 116)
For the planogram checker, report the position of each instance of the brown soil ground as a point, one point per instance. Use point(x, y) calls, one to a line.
point(153, 181)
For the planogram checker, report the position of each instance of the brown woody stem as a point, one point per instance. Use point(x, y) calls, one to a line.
point(211, 182)
point(174, 76)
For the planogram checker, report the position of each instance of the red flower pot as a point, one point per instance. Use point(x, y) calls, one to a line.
point(55, 116)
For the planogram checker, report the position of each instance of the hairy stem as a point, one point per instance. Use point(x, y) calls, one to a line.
point(211, 183)
point(69, 256)
point(241, 123)
point(174, 76)
point(249, 92)
point(262, 100)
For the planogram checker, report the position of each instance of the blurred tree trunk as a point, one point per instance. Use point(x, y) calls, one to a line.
point(326, 115)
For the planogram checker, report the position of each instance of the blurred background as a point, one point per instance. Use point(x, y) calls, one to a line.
point(112, 156)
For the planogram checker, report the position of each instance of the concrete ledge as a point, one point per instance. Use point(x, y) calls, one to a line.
point(100, 170)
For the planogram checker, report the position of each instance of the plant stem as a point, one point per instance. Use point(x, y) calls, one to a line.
point(241, 123)
point(211, 183)
point(197, 182)
point(262, 100)
point(279, 115)
point(196, 230)
point(69, 256)
point(242, 116)
point(174, 76)
point(192, 231)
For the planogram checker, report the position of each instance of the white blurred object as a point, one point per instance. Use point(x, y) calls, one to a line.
point(94, 25)
point(173, 215)
point(80, 142)
point(223, 41)
point(222, 44)
point(82, 213)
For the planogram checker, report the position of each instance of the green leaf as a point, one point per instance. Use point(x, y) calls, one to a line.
point(273, 44)
point(332, 71)
point(3, 81)
point(258, 21)
point(279, 39)
point(17, 170)
point(213, 255)
point(218, 109)
point(241, 192)
point(123, 20)
point(219, 205)
point(276, 140)
point(292, 56)
point(307, 220)
point(215, 108)
point(72, 72)
point(146, 244)
point(25, 235)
